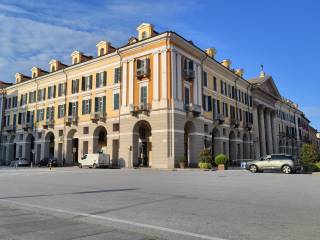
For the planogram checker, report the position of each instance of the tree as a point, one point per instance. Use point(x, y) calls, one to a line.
point(309, 154)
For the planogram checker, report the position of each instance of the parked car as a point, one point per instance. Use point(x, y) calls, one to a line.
point(45, 162)
point(95, 160)
point(282, 162)
point(20, 162)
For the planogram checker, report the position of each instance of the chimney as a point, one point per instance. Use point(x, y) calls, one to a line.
point(79, 57)
point(211, 52)
point(239, 72)
point(37, 72)
point(56, 65)
point(21, 78)
point(104, 47)
point(226, 63)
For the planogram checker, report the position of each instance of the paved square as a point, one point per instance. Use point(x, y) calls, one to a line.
point(71, 203)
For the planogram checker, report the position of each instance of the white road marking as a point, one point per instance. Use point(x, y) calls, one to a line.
point(115, 220)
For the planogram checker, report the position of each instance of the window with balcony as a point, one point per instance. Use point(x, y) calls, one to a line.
point(86, 83)
point(101, 79)
point(117, 75)
point(143, 95)
point(40, 115)
point(73, 109)
point(61, 110)
point(86, 106)
point(100, 104)
point(75, 86)
point(50, 113)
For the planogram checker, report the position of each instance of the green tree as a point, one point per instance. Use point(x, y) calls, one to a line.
point(309, 154)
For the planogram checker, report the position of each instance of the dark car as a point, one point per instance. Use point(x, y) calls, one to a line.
point(53, 162)
point(45, 162)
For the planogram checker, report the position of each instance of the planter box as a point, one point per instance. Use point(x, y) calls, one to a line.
point(221, 167)
point(183, 164)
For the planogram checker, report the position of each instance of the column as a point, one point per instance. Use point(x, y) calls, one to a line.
point(131, 69)
point(199, 83)
point(179, 77)
point(156, 76)
point(269, 132)
point(164, 80)
point(274, 130)
point(124, 85)
point(174, 74)
point(262, 132)
point(195, 85)
point(256, 131)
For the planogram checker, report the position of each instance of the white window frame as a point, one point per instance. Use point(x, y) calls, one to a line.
point(143, 84)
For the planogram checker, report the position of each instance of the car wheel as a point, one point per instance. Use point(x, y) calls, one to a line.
point(253, 168)
point(80, 165)
point(94, 166)
point(286, 169)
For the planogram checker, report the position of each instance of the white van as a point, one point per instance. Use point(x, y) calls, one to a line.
point(95, 160)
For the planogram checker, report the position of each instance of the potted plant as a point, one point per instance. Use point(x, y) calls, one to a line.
point(221, 161)
point(205, 160)
point(183, 162)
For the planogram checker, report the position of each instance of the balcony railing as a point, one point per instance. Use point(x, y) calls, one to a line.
point(188, 74)
point(218, 117)
point(26, 126)
point(144, 108)
point(9, 128)
point(248, 126)
point(234, 123)
point(143, 72)
point(98, 116)
point(193, 108)
point(73, 119)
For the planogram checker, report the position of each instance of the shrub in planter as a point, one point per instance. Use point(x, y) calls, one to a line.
point(205, 160)
point(183, 162)
point(221, 161)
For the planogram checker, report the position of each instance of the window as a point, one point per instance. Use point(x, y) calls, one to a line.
point(86, 106)
point(225, 109)
point(214, 83)
point(221, 87)
point(23, 99)
point(62, 89)
point(143, 95)
point(206, 128)
point(14, 101)
point(101, 51)
point(116, 101)
point(32, 97)
point(87, 83)
point(116, 127)
point(207, 104)
point(42, 94)
point(232, 112)
point(73, 109)
point(75, 86)
point(250, 101)
point(61, 110)
point(216, 107)
point(186, 95)
point(75, 60)
point(144, 35)
point(229, 90)
point(50, 113)
point(143, 67)
point(53, 69)
point(86, 130)
point(100, 104)
point(51, 92)
point(205, 79)
point(7, 120)
point(117, 75)
point(101, 79)
point(40, 115)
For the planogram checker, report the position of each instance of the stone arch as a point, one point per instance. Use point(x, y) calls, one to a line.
point(30, 148)
point(72, 149)
point(100, 140)
point(49, 145)
point(216, 143)
point(232, 148)
point(142, 144)
point(246, 150)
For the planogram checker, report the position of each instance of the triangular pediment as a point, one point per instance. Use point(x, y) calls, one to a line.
point(270, 87)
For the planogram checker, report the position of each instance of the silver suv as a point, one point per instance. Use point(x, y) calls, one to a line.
point(282, 162)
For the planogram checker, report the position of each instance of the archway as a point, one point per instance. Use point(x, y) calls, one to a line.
point(49, 145)
point(30, 148)
point(189, 128)
point(12, 154)
point(100, 140)
point(245, 147)
point(215, 147)
point(72, 153)
point(232, 149)
point(142, 144)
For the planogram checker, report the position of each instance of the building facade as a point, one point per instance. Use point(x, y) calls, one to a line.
point(147, 103)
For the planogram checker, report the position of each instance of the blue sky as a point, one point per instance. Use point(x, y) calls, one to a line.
point(283, 35)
